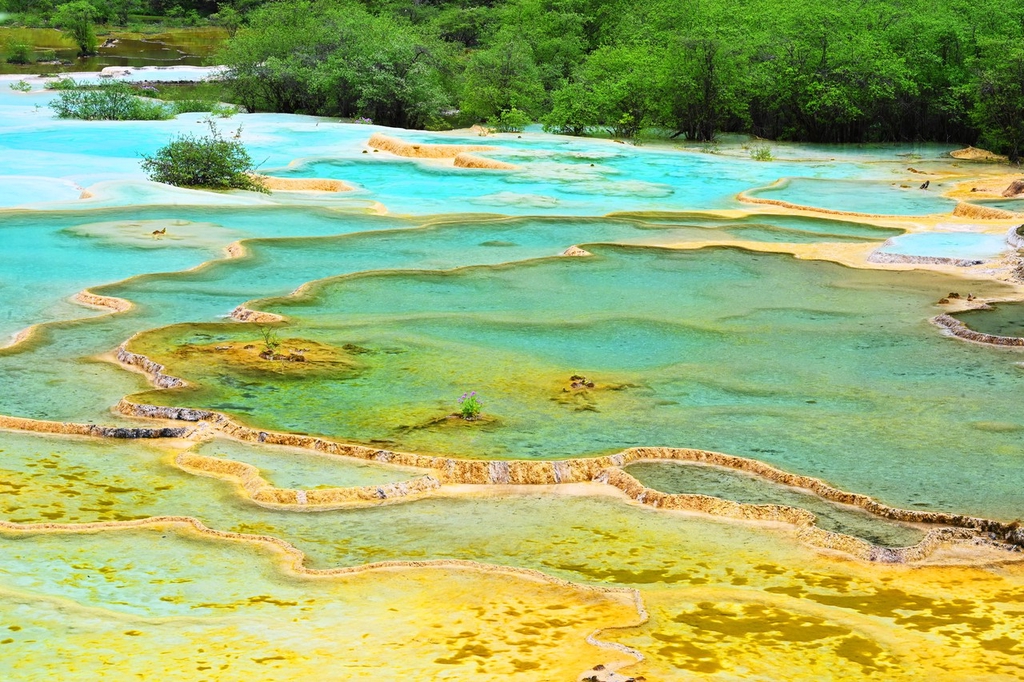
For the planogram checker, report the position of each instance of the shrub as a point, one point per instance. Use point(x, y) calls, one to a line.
point(21, 86)
point(190, 106)
point(762, 153)
point(509, 121)
point(211, 161)
point(108, 102)
point(62, 84)
point(19, 53)
point(75, 19)
point(470, 406)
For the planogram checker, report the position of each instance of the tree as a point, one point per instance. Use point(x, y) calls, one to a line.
point(999, 99)
point(210, 161)
point(619, 84)
point(338, 60)
point(119, 11)
point(699, 83)
point(76, 18)
point(228, 18)
point(501, 78)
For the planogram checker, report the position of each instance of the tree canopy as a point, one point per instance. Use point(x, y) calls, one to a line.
point(815, 70)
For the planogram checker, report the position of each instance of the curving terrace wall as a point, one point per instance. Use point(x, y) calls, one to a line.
point(961, 331)
point(414, 150)
point(607, 469)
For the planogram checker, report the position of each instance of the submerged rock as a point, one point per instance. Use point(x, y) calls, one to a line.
point(575, 251)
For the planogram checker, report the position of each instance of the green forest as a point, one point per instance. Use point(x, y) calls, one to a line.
point(819, 71)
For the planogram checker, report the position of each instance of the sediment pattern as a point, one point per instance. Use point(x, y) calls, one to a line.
point(966, 210)
point(467, 160)
point(746, 198)
point(900, 258)
point(302, 184)
point(154, 370)
point(262, 492)
point(243, 314)
point(112, 303)
point(1014, 238)
point(608, 470)
point(399, 147)
point(975, 154)
point(85, 297)
point(961, 331)
point(295, 562)
point(96, 430)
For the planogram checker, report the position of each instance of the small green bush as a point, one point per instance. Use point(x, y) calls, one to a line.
point(762, 153)
point(19, 53)
point(21, 86)
point(62, 84)
point(211, 162)
point(509, 121)
point(76, 20)
point(470, 406)
point(108, 102)
point(189, 106)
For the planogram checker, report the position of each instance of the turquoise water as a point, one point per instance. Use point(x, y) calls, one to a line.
point(966, 245)
point(858, 196)
point(557, 175)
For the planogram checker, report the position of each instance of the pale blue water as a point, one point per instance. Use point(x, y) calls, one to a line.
point(967, 245)
point(1016, 205)
point(858, 196)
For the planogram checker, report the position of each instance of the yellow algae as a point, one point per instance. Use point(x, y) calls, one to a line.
point(881, 624)
point(398, 623)
point(775, 605)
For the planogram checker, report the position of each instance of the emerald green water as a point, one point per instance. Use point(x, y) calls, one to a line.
point(676, 478)
point(1002, 319)
point(61, 359)
point(828, 374)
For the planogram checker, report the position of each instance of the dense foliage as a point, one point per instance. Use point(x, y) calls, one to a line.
point(106, 102)
point(815, 70)
point(210, 161)
point(121, 101)
point(76, 18)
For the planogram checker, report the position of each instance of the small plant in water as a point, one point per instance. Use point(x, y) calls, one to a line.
point(470, 406)
point(762, 153)
point(270, 341)
point(21, 86)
